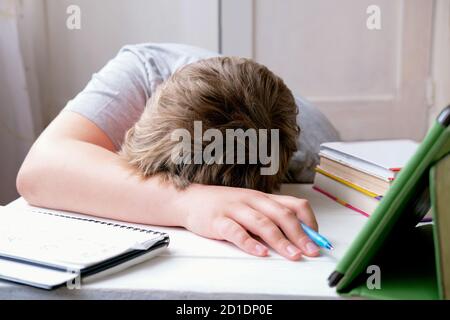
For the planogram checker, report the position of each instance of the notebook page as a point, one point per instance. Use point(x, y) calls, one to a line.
point(43, 236)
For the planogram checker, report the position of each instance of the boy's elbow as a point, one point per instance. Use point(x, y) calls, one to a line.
point(27, 182)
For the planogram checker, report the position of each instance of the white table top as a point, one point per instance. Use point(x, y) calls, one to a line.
point(197, 268)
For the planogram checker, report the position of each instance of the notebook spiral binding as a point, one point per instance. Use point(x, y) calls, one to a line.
point(116, 225)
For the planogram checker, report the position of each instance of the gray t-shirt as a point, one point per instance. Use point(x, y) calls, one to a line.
point(116, 96)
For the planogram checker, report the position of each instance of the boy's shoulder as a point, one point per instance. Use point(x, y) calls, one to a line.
point(167, 48)
point(167, 57)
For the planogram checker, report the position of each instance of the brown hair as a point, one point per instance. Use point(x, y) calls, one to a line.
point(223, 93)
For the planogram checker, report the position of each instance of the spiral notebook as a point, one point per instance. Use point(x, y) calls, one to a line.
point(47, 248)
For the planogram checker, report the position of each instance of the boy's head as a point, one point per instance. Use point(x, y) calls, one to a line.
point(217, 93)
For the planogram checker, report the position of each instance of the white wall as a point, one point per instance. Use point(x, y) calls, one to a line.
point(31, 23)
point(440, 63)
point(16, 125)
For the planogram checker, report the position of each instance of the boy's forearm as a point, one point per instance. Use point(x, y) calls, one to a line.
point(82, 177)
point(70, 174)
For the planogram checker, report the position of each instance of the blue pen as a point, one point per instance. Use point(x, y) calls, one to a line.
point(317, 238)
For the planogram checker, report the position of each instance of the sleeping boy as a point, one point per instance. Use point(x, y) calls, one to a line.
point(173, 135)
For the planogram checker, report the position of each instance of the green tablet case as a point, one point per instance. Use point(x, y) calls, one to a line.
point(413, 258)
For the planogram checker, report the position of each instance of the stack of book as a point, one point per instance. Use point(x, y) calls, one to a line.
point(358, 174)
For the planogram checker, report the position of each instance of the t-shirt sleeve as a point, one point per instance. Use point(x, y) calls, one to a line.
point(115, 97)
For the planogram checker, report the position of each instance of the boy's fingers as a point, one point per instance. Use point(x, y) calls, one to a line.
point(231, 231)
point(287, 220)
point(268, 231)
point(301, 207)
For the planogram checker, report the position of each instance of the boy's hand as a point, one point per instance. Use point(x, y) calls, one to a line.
point(238, 215)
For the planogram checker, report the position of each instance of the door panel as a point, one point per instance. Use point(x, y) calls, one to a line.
point(370, 83)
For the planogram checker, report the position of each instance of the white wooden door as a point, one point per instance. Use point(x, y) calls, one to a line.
point(370, 83)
